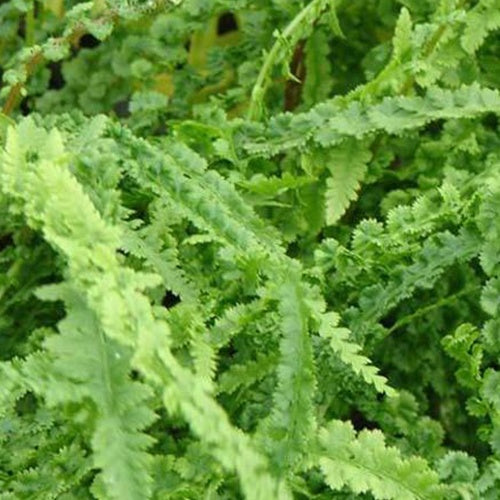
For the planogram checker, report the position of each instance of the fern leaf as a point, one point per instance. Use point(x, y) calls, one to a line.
point(347, 164)
point(479, 22)
point(233, 321)
point(462, 346)
point(488, 225)
point(402, 36)
point(85, 365)
point(292, 423)
point(349, 353)
point(210, 202)
point(244, 375)
point(331, 122)
point(162, 261)
point(107, 300)
point(318, 84)
point(437, 254)
point(364, 464)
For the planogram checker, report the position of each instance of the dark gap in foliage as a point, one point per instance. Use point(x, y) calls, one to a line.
point(6, 240)
point(434, 128)
point(369, 200)
point(455, 437)
point(360, 422)
point(170, 299)
point(293, 249)
point(25, 107)
point(161, 130)
point(187, 45)
point(477, 268)
point(21, 28)
point(177, 432)
point(134, 375)
point(135, 199)
point(56, 81)
point(32, 156)
point(89, 41)
point(389, 320)
point(121, 108)
point(227, 23)
point(396, 163)
point(26, 404)
point(491, 121)
point(229, 351)
point(434, 402)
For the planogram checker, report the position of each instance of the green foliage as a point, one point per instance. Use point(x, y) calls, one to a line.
point(249, 249)
point(364, 463)
point(347, 165)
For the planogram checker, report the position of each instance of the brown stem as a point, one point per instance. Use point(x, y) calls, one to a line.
point(293, 89)
point(12, 98)
point(37, 58)
point(15, 91)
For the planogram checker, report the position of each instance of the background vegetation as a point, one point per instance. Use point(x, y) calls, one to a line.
point(249, 249)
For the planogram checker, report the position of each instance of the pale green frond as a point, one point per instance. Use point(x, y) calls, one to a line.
point(349, 352)
point(364, 463)
point(347, 164)
point(289, 429)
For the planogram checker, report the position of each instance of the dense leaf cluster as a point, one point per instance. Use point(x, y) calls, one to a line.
point(250, 249)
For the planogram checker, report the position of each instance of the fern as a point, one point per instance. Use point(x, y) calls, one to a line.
point(297, 29)
point(117, 422)
point(436, 255)
point(328, 123)
point(366, 464)
point(249, 249)
point(245, 375)
point(291, 424)
point(347, 165)
point(104, 296)
point(318, 83)
point(482, 19)
point(348, 351)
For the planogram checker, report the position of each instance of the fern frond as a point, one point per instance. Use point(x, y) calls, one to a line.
point(85, 366)
point(487, 218)
point(105, 298)
point(438, 253)
point(203, 199)
point(462, 346)
point(291, 424)
point(483, 18)
point(233, 321)
point(55, 477)
point(244, 375)
point(318, 83)
point(364, 464)
point(349, 353)
point(330, 123)
point(401, 41)
point(160, 260)
point(347, 164)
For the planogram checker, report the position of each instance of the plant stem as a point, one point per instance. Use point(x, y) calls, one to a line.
point(425, 310)
point(30, 25)
point(262, 83)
